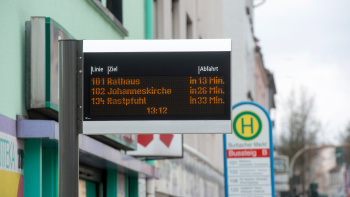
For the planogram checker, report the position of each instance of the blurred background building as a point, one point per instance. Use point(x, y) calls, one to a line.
point(29, 94)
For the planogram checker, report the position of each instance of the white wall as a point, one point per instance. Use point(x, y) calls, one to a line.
point(237, 26)
point(261, 95)
point(210, 145)
point(206, 16)
point(210, 19)
point(172, 17)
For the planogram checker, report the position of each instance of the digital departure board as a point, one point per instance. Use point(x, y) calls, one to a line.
point(147, 82)
point(159, 96)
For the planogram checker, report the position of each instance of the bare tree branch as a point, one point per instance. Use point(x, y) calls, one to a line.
point(300, 130)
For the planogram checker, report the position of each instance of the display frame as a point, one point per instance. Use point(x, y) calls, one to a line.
point(205, 57)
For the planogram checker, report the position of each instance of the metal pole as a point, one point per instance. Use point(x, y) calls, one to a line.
point(70, 63)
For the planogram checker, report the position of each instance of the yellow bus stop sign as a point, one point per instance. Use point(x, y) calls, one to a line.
point(248, 152)
point(247, 125)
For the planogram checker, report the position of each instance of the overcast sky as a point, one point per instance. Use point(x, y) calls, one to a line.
point(307, 43)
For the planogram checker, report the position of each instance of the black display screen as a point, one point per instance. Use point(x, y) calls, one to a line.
point(157, 86)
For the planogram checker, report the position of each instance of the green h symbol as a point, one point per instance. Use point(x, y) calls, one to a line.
point(247, 125)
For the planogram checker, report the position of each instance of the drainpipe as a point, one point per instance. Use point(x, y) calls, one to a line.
point(150, 186)
point(149, 19)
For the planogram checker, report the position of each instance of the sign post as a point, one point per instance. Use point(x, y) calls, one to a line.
point(139, 86)
point(248, 153)
point(70, 116)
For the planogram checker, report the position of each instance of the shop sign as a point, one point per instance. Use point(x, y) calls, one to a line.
point(10, 153)
point(11, 165)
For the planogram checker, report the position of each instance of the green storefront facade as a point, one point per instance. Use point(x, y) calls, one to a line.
point(28, 146)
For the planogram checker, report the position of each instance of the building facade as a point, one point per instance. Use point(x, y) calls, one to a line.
point(339, 181)
point(188, 19)
point(29, 100)
point(29, 162)
point(200, 171)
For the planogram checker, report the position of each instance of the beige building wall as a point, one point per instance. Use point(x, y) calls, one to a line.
point(324, 163)
point(210, 21)
point(261, 82)
point(318, 169)
point(193, 19)
point(210, 145)
point(187, 19)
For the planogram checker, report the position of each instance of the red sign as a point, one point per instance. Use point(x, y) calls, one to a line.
point(248, 153)
point(145, 139)
point(158, 146)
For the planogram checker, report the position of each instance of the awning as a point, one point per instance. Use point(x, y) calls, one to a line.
point(92, 152)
